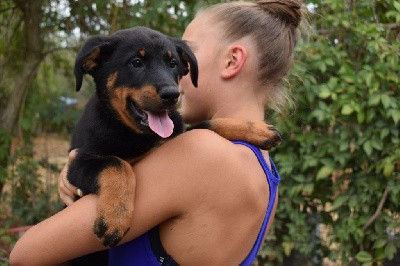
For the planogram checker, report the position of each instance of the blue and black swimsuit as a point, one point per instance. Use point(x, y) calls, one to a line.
point(148, 250)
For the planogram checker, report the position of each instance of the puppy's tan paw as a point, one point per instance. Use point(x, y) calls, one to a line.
point(116, 204)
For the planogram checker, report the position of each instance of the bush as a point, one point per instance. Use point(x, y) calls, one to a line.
point(340, 161)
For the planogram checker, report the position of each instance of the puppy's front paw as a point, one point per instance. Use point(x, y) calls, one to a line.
point(272, 137)
point(116, 204)
point(114, 217)
point(108, 232)
point(257, 133)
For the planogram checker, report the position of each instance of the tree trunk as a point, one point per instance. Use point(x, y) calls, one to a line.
point(33, 55)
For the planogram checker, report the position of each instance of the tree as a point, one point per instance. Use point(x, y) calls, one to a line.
point(32, 52)
point(22, 62)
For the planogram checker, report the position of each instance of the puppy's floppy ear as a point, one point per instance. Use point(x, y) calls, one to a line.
point(188, 59)
point(89, 57)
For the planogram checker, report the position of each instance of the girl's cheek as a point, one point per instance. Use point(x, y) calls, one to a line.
point(183, 83)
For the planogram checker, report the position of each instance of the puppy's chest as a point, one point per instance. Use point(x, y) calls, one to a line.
point(129, 148)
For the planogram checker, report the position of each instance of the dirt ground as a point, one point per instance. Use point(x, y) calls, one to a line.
point(51, 147)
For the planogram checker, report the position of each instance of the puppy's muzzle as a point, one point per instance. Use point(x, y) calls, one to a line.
point(169, 95)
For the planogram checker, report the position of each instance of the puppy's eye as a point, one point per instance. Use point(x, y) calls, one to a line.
point(173, 63)
point(137, 63)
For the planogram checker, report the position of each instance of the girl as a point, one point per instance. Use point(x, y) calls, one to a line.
point(200, 199)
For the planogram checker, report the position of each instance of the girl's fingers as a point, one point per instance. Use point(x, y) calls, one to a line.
point(66, 190)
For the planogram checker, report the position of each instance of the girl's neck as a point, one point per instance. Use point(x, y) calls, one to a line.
point(249, 110)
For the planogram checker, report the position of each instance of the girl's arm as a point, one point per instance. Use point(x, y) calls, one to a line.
point(170, 181)
point(51, 242)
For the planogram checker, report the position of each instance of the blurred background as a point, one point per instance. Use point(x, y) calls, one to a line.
point(340, 158)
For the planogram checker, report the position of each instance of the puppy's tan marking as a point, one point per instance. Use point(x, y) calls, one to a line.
point(255, 132)
point(118, 98)
point(116, 198)
point(142, 52)
point(90, 62)
point(145, 98)
point(169, 53)
point(111, 80)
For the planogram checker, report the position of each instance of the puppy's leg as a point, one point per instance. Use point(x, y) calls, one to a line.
point(116, 203)
point(84, 170)
point(114, 181)
point(257, 133)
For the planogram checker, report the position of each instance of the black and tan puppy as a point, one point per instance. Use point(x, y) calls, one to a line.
point(136, 72)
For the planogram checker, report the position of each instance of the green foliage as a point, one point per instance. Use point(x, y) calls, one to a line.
point(45, 111)
point(340, 160)
point(5, 240)
point(29, 197)
point(341, 155)
point(10, 29)
point(5, 142)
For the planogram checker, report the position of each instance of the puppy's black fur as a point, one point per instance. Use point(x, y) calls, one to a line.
point(128, 60)
point(136, 72)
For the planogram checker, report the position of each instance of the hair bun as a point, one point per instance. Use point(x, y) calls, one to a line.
point(288, 11)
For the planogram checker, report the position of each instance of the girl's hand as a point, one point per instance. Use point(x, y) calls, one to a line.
point(67, 191)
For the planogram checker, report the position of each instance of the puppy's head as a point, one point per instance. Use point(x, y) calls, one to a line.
point(136, 72)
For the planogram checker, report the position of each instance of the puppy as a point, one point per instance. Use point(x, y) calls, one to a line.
point(136, 72)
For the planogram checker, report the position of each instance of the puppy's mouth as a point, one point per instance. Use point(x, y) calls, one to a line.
point(159, 122)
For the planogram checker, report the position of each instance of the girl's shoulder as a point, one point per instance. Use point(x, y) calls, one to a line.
point(209, 151)
point(198, 164)
point(211, 161)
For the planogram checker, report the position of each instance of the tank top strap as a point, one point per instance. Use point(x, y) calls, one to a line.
point(273, 180)
point(271, 174)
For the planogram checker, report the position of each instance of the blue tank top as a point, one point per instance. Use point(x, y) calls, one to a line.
point(147, 249)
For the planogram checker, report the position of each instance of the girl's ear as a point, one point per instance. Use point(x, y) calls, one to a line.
point(235, 59)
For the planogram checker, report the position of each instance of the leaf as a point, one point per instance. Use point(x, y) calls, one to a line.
point(390, 250)
point(348, 79)
point(374, 100)
point(329, 62)
point(380, 243)
point(346, 23)
point(299, 178)
point(367, 148)
point(396, 5)
point(385, 99)
point(308, 189)
point(377, 144)
point(343, 146)
point(363, 256)
point(384, 133)
point(395, 115)
point(324, 93)
point(339, 201)
point(347, 109)
point(368, 78)
point(287, 248)
point(388, 168)
point(324, 172)
point(360, 117)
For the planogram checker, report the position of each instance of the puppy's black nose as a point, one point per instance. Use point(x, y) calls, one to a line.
point(169, 95)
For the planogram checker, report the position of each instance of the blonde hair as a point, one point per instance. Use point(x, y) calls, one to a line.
point(273, 25)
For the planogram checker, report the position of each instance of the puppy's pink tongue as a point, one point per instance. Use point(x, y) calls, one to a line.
point(161, 124)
